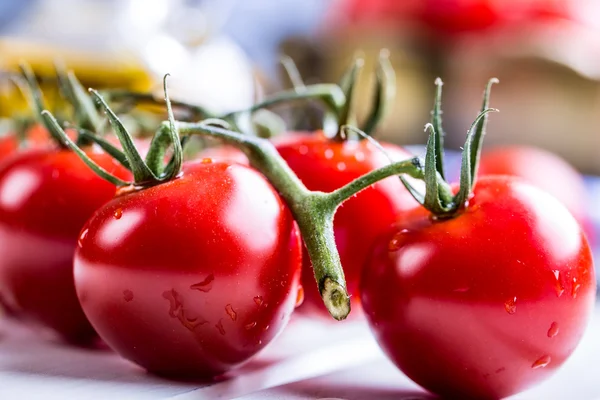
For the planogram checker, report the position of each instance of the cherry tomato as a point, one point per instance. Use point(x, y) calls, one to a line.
point(325, 165)
point(487, 303)
point(35, 137)
point(192, 277)
point(46, 196)
point(459, 16)
point(8, 146)
point(545, 170)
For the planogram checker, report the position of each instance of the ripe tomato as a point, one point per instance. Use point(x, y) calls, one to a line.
point(8, 145)
point(545, 170)
point(46, 196)
point(35, 137)
point(487, 303)
point(325, 165)
point(194, 276)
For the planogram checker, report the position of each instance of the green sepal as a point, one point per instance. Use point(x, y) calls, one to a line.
point(55, 128)
point(471, 151)
point(32, 92)
point(436, 121)
point(384, 94)
point(86, 115)
point(105, 145)
point(174, 167)
point(141, 173)
point(348, 85)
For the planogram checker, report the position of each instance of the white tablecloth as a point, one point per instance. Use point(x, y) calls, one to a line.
point(310, 360)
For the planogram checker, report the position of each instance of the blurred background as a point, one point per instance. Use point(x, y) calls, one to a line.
point(223, 54)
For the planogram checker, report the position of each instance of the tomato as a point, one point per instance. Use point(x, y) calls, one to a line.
point(8, 145)
point(487, 303)
point(35, 137)
point(192, 277)
point(46, 196)
point(545, 170)
point(325, 165)
point(459, 16)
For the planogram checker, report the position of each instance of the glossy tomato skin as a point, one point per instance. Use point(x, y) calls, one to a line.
point(224, 153)
point(485, 304)
point(192, 277)
point(46, 196)
point(544, 170)
point(326, 165)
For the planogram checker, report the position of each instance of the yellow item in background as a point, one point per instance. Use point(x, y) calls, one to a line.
point(94, 69)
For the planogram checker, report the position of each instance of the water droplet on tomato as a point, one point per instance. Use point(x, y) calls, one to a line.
point(205, 285)
point(303, 150)
point(300, 296)
point(231, 312)
point(511, 305)
point(127, 295)
point(553, 331)
point(55, 174)
point(220, 327)
point(341, 166)
point(360, 156)
point(206, 160)
point(259, 343)
point(118, 213)
point(82, 237)
point(462, 289)
point(397, 240)
point(576, 286)
point(560, 289)
point(541, 362)
point(329, 154)
point(250, 325)
point(258, 300)
point(266, 328)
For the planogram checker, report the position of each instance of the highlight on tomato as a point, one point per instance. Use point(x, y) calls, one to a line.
point(485, 289)
point(46, 196)
point(544, 170)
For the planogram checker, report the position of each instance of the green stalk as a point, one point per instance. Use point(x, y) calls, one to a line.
point(313, 211)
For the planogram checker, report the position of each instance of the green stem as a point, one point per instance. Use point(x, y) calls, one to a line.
point(197, 112)
point(313, 211)
point(330, 94)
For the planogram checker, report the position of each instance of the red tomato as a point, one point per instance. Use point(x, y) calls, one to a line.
point(36, 137)
point(224, 153)
point(545, 170)
point(8, 146)
point(487, 303)
point(326, 165)
point(194, 276)
point(458, 16)
point(46, 196)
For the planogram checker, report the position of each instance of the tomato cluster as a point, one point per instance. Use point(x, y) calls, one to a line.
point(474, 289)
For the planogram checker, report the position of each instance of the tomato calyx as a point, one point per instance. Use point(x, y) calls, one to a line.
point(146, 172)
point(438, 197)
point(340, 113)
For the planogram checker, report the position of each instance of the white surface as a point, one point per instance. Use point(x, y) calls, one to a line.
point(310, 360)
